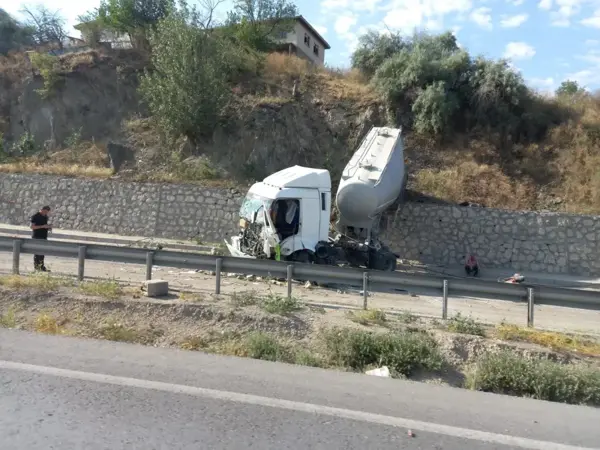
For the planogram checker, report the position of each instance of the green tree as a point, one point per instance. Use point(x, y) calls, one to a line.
point(374, 48)
point(569, 88)
point(258, 23)
point(135, 18)
point(434, 109)
point(187, 88)
point(13, 35)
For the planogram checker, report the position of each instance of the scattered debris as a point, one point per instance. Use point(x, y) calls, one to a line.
point(379, 372)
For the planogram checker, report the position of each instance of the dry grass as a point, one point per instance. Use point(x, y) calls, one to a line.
point(368, 317)
point(326, 83)
point(550, 339)
point(108, 289)
point(47, 324)
point(71, 170)
point(478, 183)
point(8, 319)
point(86, 159)
point(42, 282)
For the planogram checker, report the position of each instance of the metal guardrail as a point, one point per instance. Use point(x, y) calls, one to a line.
point(540, 295)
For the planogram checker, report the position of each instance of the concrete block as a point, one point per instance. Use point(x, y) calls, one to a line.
point(156, 288)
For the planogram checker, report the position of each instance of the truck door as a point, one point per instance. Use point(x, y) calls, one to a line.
point(286, 217)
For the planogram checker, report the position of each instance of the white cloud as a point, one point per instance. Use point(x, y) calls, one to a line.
point(406, 15)
point(585, 77)
point(593, 21)
point(561, 17)
point(482, 17)
point(320, 29)
point(518, 50)
point(543, 83)
point(349, 5)
point(344, 23)
point(593, 56)
point(592, 42)
point(514, 21)
point(545, 4)
point(516, 2)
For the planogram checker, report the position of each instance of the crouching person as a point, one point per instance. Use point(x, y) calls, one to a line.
point(471, 266)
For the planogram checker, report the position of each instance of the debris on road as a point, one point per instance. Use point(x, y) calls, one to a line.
point(379, 372)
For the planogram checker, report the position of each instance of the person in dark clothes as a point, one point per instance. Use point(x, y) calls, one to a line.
point(40, 227)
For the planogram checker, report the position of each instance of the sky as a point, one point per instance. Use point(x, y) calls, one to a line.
point(549, 41)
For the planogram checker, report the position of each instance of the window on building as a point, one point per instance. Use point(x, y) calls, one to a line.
point(316, 50)
point(282, 34)
point(307, 39)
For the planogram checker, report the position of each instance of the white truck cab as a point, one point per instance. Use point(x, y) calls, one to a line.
point(286, 213)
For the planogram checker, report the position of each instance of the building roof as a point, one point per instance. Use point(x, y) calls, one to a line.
point(300, 19)
point(304, 22)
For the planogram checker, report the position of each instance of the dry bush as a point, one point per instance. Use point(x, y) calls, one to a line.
point(477, 183)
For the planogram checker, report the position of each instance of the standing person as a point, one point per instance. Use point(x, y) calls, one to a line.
point(40, 227)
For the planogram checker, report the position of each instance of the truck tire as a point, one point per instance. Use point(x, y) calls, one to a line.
point(385, 261)
point(302, 256)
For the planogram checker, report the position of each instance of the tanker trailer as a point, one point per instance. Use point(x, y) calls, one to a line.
point(287, 215)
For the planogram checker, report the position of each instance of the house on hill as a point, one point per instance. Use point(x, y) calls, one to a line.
point(302, 40)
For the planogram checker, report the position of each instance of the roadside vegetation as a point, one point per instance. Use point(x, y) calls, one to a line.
point(505, 359)
point(475, 131)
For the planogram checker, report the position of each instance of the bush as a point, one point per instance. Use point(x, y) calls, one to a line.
point(276, 304)
point(465, 325)
point(264, 346)
point(50, 70)
point(434, 86)
point(402, 352)
point(187, 88)
point(507, 373)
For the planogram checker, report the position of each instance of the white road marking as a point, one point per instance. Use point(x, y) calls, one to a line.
point(380, 419)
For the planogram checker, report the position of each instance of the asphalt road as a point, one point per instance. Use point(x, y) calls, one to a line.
point(425, 303)
point(68, 393)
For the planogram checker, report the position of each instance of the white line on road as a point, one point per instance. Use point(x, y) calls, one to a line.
point(380, 419)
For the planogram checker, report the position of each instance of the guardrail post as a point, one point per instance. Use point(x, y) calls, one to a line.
point(445, 300)
point(365, 291)
point(16, 256)
point(530, 306)
point(149, 264)
point(290, 271)
point(81, 262)
point(218, 266)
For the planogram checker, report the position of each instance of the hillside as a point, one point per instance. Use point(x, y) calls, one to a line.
point(63, 126)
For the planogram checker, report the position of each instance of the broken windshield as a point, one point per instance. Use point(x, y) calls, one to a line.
point(253, 204)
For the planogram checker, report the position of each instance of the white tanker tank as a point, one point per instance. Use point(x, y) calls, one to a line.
point(372, 181)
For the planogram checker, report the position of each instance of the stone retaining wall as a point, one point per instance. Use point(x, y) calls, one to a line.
point(541, 242)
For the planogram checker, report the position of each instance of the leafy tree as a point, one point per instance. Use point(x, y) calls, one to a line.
point(374, 48)
point(48, 26)
point(569, 88)
point(187, 88)
point(13, 35)
point(257, 23)
point(135, 18)
point(434, 109)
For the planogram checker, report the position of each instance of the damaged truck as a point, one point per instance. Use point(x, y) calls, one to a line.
point(287, 216)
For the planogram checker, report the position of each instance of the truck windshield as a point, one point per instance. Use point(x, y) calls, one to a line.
point(253, 204)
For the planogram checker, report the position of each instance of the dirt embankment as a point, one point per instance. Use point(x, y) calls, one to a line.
point(289, 113)
point(459, 353)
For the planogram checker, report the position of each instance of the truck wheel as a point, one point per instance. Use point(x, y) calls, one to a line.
point(389, 263)
point(302, 257)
